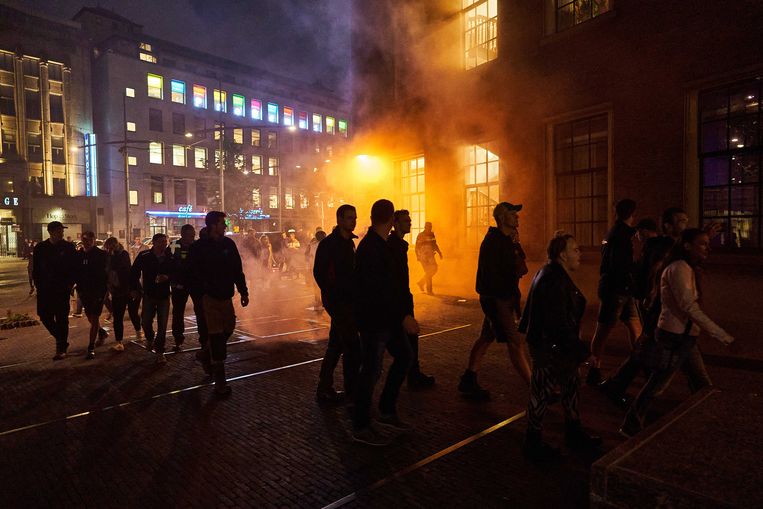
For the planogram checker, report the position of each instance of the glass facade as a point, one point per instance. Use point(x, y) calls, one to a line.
point(412, 190)
point(481, 175)
point(480, 31)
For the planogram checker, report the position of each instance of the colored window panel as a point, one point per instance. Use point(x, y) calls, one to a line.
point(178, 91)
point(256, 109)
point(317, 123)
point(273, 113)
point(221, 100)
point(238, 105)
point(199, 96)
point(155, 86)
point(303, 124)
point(330, 125)
point(343, 128)
point(288, 116)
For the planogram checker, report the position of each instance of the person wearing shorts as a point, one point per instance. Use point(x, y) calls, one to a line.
point(91, 287)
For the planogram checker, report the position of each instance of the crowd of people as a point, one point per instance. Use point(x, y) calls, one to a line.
point(649, 280)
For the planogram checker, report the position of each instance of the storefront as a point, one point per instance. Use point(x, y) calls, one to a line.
point(169, 222)
point(10, 228)
point(75, 214)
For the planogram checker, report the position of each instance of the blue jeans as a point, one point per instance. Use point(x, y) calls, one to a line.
point(158, 307)
point(373, 346)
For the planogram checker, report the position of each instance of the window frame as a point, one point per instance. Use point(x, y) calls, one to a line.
point(159, 87)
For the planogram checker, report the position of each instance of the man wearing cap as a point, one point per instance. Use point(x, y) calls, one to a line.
point(501, 265)
point(53, 275)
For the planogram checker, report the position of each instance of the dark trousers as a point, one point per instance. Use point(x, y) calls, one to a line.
point(133, 310)
point(413, 341)
point(343, 342)
point(201, 319)
point(179, 300)
point(53, 309)
point(158, 307)
point(430, 269)
point(118, 307)
point(373, 345)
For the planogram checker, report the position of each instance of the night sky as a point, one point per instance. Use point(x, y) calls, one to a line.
point(304, 39)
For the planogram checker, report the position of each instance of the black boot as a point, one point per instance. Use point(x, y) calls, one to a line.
point(471, 389)
point(203, 357)
point(613, 393)
point(222, 389)
point(576, 437)
point(418, 380)
point(536, 449)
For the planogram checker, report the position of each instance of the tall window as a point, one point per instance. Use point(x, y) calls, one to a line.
point(288, 197)
point(201, 192)
point(272, 166)
point(220, 100)
point(155, 120)
point(178, 155)
point(238, 105)
point(317, 123)
point(199, 96)
point(730, 151)
point(56, 108)
point(573, 12)
point(7, 103)
point(157, 190)
point(273, 198)
point(411, 175)
point(480, 22)
point(257, 164)
point(155, 152)
point(303, 120)
point(33, 106)
point(343, 128)
point(580, 168)
point(178, 123)
point(304, 201)
point(481, 174)
point(200, 157)
point(238, 136)
point(288, 116)
point(155, 86)
point(256, 134)
point(255, 108)
point(330, 125)
point(273, 113)
point(272, 140)
point(178, 91)
point(57, 149)
point(181, 191)
point(34, 147)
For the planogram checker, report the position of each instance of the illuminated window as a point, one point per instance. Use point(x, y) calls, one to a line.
point(730, 152)
point(272, 166)
point(133, 197)
point(132, 160)
point(288, 116)
point(218, 130)
point(410, 174)
point(303, 120)
point(273, 113)
point(145, 46)
point(199, 96)
point(157, 189)
point(131, 126)
point(238, 105)
point(257, 164)
point(200, 157)
point(155, 86)
point(147, 58)
point(481, 173)
point(573, 12)
point(256, 137)
point(317, 123)
point(155, 153)
point(480, 28)
point(273, 198)
point(343, 128)
point(580, 170)
point(238, 136)
point(255, 107)
point(256, 198)
point(221, 100)
point(304, 202)
point(288, 197)
point(272, 140)
point(330, 125)
point(130, 92)
point(238, 161)
point(178, 91)
point(178, 155)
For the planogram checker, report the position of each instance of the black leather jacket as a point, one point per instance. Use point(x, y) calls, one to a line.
point(552, 315)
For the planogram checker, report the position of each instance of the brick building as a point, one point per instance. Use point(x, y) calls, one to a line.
point(566, 106)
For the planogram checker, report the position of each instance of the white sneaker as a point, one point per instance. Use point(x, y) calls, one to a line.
point(119, 347)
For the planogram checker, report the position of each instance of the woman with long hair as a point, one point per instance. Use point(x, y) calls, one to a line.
point(118, 282)
point(679, 323)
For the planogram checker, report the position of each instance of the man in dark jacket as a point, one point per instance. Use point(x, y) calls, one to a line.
point(53, 275)
point(501, 265)
point(91, 286)
point(217, 264)
point(182, 285)
point(617, 286)
point(383, 325)
point(551, 321)
point(334, 273)
point(396, 242)
point(154, 268)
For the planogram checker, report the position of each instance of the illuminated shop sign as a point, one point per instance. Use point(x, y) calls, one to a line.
point(11, 201)
point(255, 214)
point(183, 211)
point(91, 166)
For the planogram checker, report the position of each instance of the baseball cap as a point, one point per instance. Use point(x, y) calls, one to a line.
point(54, 225)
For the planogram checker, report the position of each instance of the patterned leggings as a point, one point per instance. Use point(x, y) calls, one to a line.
point(541, 387)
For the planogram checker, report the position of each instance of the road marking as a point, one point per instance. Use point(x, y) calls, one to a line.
point(429, 459)
point(445, 330)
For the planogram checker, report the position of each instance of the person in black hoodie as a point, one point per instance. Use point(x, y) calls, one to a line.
point(617, 286)
point(551, 321)
point(216, 264)
point(501, 265)
point(334, 273)
point(91, 286)
point(182, 284)
point(53, 275)
point(154, 268)
point(118, 283)
point(383, 325)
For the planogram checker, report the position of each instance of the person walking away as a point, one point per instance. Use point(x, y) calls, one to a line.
point(30, 264)
point(153, 268)
point(53, 274)
point(216, 264)
point(334, 274)
point(383, 325)
point(91, 287)
point(551, 321)
point(399, 247)
point(681, 319)
point(426, 247)
point(616, 287)
point(181, 282)
point(118, 284)
point(312, 247)
point(501, 264)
